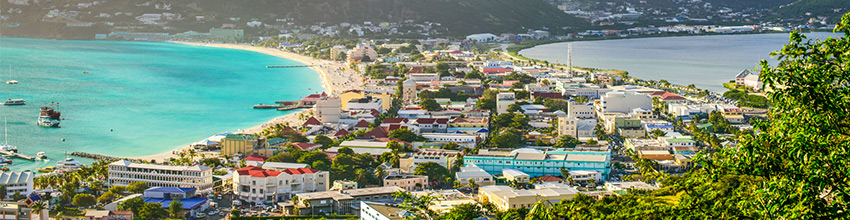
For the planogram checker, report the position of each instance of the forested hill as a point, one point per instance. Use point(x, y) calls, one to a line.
point(455, 17)
point(833, 9)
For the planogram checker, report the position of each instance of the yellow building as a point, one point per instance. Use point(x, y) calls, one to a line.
point(386, 99)
point(239, 143)
point(505, 197)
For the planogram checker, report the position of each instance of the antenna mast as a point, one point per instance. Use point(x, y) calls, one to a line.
point(570, 57)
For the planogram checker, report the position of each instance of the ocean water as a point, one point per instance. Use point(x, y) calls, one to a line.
point(705, 61)
point(138, 98)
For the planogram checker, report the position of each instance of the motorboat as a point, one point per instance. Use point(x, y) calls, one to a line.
point(49, 117)
point(46, 169)
point(68, 163)
point(14, 102)
point(41, 156)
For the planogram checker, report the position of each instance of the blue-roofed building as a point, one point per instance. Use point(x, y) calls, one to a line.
point(192, 205)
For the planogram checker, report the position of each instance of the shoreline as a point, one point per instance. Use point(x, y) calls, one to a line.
point(336, 78)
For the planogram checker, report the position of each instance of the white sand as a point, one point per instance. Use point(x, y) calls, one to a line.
point(336, 78)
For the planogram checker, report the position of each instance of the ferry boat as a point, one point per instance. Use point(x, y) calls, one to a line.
point(41, 156)
point(46, 169)
point(14, 102)
point(48, 117)
point(68, 163)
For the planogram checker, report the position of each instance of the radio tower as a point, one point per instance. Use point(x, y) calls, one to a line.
point(570, 57)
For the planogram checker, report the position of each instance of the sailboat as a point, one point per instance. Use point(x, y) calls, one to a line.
point(5, 146)
point(11, 81)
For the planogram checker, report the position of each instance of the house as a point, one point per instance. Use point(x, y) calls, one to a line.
point(258, 185)
point(407, 182)
point(445, 158)
point(431, 125)
point(307, 146)
point(257, 158)
point(503, 100)
point(244, 144)
point(624, 102)
point(516, 175)
point(366, 103)
point(192, 205)
point(93, 214)
point(383, 211)
point(459, 122)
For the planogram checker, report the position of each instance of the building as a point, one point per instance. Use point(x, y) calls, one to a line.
point(538, 163)
point(363, 52)
point(476, 174)
point(124, 172)
point(584, 176)
point(581, 110)
point(17, 183)
point(226, 34)
point(343, 202)
point(464, 140)
point(576, 127)
point(343, 185)
point(192, 205)
point(431, 125)
point(409, 91)
point(503, 100)
point(424, 77)
point(623, 187)
point(382, 211)
point(328, 110)
point(258, 185)
point(505, 197)
point(624, 102)
point(93, 214)
point(516, 175)
point(407, 182)
point(442, 157)
point(244, 144)
point(386, 98)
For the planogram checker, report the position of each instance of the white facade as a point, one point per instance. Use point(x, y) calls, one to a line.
point(576, 127)
point(583, 111)
point(425, 77)
point(478, 175)
point(503, 100)
point(409, 91)
point(367, 103)
point(624, 102)
point(124, 172)
point(516, 175)
point(451, 137)
point(15, 182)
point(259, 185)
point(327, 111)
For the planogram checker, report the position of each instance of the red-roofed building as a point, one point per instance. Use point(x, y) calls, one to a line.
point(341, 133)
point(377, 132)
point(668, 97)
point(431, 125)
point(550, 95)
point(549, 178)
point(313, 98)
point(311, 121)
point(258, 185)
point(257, 158)
point(362, 124)
point(307, 146)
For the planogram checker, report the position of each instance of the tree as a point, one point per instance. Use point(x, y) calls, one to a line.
point(567, 141)
point(3, 193)
point(36, 209)
point(556, 104)
point(506, 138)
point(117, 189)
point(430, 105)
point(152, 211)
point(657, 133)
point(137, 187)
point(84, 200)
point(464, 211)
point(106, 197)
point(345, 150)
point(403, 134)
point(176, 209)
point(325, 141)
point(134, 205)
point(416, 204)
point(451, 146)
point(434, 171)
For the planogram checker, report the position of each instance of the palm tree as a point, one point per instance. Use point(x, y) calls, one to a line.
point(380, 173)
point(361, 176)
point(307, 204)
point(472, 184)
point(37, 207)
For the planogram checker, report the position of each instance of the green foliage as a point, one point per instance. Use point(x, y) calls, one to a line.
point(152, 211)
point(463, 211)
point(556, 104)
point(567, 141)
point(106, 197)
point(487, 100)
point(176, 209)
point(444, 93)
point(430, 104)
point(506, 138)
point(510, 120)
point(522, 77)
point(434, 171)
point(657, 133)
point(325, 141)
point(345, 165)
point(403, 134)
point(134, 205)
point(137, 187)
point(451, 146)
point(84, 200)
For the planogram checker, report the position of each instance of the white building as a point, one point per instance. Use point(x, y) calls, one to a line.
point(503, 100)
point(367, 103)
point(124, 172)
point(576, 127)
point(585, 175)
point(327, 110)
point(258, 185)
point(361, 52)
point(425, 77)
point(409, 91)
point(482, 37)
point(478, 175)
point(451, 137)
point(516, 175)
point(624, 102)
point(442, 157)
point(15, 182)
point(582, 111)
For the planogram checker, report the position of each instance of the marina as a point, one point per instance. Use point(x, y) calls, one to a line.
point(17, 155)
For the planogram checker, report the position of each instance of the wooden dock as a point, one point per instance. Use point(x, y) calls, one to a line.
point(262, 106)
point(287, 66)
point(18, 155)
point(284, 105)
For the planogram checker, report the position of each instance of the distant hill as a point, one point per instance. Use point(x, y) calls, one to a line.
point(833, 9)
point(459, 17)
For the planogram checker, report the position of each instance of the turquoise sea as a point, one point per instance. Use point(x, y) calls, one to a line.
point(138, 98)
point(705, 61)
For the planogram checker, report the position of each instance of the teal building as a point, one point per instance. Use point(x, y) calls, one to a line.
point(538, 163)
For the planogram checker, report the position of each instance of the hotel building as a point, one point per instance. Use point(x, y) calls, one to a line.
point(124, 172)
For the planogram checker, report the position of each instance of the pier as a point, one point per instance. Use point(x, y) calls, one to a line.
point(285, 105)
point(287, 66)
point(18, 155)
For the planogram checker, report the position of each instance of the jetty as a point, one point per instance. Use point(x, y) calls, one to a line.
point(287, 66)
point(104, 157)
point(18, 155)
point(262, 106)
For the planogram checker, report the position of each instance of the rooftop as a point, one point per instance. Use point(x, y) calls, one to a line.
point(127, 163)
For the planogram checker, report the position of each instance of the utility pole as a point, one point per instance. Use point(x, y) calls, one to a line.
point(570, 57)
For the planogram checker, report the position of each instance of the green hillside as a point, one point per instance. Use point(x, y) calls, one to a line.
point(458, 17)
point(829, 8)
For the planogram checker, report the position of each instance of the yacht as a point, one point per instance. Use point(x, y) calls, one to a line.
point(68, 163)
point(14, 102)
point(41, 156)
point(3, 160)
point(46, 169)
point(48, 117)
point(11, 81)
point(5, 145)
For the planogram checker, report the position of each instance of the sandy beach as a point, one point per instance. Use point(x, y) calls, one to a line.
point(336, 78)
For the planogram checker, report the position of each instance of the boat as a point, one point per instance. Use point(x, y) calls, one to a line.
point(11, 81)
point(46, 169)
point(5, 145)
point(3, 160)
point(68, 163)
point(4, 168)
point(14, 102)
point(48, 117)
point(41, 156)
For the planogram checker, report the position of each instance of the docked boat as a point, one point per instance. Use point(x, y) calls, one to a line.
point(4, 168)
point(4, 160)
point(68, 163)
point(49, 117)
point(46, 169)
point(41, 156)
point(14, 102)
point(5, 145)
